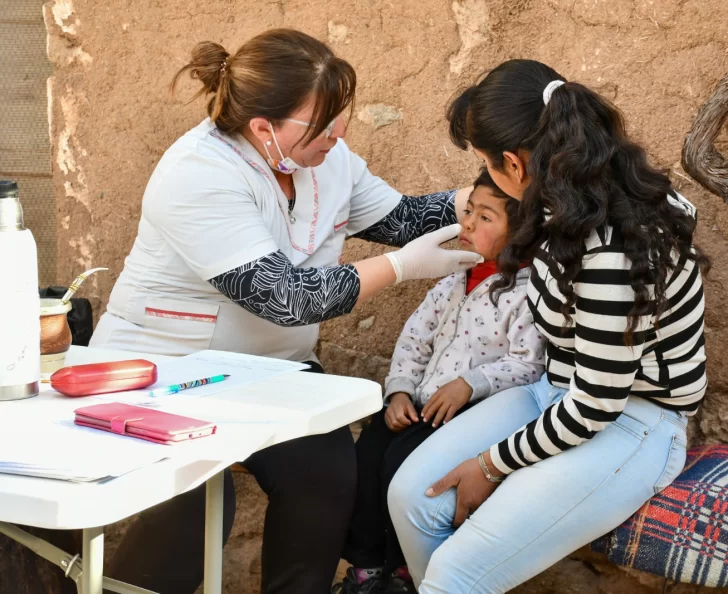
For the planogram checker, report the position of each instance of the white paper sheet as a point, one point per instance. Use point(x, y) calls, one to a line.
point(242, 369)
point(60, 449)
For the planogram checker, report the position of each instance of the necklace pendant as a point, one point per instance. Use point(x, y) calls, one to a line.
point(291, 218)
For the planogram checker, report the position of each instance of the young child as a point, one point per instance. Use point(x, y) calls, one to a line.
point(457, 349)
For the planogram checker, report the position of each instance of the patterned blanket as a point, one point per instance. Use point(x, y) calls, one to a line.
point(682, 533)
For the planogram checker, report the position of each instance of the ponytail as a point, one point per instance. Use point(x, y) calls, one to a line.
point(208, 65)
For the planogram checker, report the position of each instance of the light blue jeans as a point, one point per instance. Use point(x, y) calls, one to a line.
point(540, 513)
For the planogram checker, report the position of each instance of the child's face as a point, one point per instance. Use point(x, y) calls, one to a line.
point(485, 224)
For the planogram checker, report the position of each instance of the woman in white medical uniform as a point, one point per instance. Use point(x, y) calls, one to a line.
point(242, 228)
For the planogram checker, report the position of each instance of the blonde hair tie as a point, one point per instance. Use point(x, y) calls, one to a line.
point(549, 90)
point(223, 66)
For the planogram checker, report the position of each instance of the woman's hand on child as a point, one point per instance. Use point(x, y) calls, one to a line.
point(425, 258)
point(471, 485)
point(400, 413)
point(447, 401)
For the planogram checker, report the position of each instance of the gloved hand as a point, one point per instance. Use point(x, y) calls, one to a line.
point(424, 258)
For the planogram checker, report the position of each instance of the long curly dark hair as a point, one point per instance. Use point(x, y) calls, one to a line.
point(585, 172)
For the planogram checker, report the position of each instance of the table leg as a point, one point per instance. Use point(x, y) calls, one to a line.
point(92, 557)
point(213, 534)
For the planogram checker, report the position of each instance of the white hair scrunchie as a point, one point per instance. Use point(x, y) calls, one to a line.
point(549, 90)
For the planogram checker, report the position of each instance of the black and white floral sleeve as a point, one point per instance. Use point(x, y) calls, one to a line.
point(272, 289)
point(412, 217)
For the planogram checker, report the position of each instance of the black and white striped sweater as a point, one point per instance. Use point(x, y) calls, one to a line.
point(665, 364)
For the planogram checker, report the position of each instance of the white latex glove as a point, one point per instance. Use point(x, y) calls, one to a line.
point(424, 258)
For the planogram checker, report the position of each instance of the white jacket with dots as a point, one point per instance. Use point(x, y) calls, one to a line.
point(452, 335)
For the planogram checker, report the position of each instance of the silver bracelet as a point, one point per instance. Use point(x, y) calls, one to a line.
point(486, 472)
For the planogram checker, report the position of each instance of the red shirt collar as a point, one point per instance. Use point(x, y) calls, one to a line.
point(477, 274)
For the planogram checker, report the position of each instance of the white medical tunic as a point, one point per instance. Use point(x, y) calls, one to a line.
point(212, 205)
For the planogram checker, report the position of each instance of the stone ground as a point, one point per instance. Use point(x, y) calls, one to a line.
point(112, 118)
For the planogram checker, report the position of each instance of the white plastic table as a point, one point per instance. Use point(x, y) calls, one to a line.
point(271, 411)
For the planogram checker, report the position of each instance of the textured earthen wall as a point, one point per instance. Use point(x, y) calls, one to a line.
point(112, 118)
point(25, 152)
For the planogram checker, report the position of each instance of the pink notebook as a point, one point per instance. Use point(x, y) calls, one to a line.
point(144, 423)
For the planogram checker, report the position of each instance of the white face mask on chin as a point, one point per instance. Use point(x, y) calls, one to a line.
point(285, 164)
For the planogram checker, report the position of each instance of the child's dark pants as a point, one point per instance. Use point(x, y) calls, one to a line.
point(372, 541)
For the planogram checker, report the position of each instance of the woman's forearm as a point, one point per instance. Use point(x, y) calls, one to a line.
point(492, 468)
point(375, 274)
point(413, 217)
point(273, 289)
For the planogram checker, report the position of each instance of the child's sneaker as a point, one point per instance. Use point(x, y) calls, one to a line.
point(401, 582)
point(397, 585)
point(352, 585)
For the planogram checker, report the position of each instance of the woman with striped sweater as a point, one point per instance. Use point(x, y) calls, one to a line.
point(535, 472)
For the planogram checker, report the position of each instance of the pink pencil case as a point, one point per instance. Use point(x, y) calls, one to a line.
point(100, 378)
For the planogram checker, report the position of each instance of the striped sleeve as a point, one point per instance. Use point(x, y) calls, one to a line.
point(605, 367)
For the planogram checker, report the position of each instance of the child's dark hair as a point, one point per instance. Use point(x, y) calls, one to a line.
point(585, 171)
point(512, 206)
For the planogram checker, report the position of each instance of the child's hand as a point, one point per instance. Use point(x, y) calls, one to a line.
point(447, 401)
point(400, 413)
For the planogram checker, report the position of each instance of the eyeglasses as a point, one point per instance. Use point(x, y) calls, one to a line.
point(327, 130)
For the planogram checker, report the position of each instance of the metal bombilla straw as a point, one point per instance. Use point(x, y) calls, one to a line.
point(77, 282)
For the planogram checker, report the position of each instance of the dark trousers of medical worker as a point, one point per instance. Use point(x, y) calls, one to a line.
point(372, 541)
point(311, 485)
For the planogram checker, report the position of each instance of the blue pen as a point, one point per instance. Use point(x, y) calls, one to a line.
point(173, 389)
